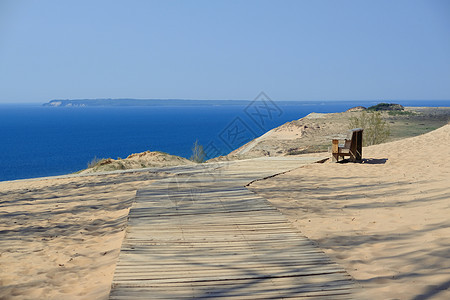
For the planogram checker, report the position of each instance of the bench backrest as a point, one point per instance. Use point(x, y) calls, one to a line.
point(351, 132)
point(351, 137)
point(355, 145)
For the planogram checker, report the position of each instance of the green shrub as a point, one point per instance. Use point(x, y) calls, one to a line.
point(94, 162)
point(198, 154)
point(376, 130)
point(401, 113)
point(386, 106)
point(97, 162)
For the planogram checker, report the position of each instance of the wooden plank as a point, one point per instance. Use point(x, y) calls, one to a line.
point(240, 291)
point(215, 228)
point(300, 282)
point(220, 225)
point(247, 286)
point(175, 261)
point(144, 278)
point(143, 257)
point(218, 292)
point(177, 265)
point(138, 294)
point(216, 275)
point(180, 245)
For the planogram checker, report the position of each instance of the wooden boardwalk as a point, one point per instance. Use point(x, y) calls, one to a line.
point(202, 234)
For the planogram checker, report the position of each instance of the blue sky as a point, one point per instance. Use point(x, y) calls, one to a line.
point(292, 50)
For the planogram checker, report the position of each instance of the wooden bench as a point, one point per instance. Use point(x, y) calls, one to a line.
point(352, 146)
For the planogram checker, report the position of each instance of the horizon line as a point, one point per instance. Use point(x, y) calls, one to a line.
point(248, 100)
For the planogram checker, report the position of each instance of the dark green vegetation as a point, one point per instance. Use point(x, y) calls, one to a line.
point(386, 106)
point(400, 113)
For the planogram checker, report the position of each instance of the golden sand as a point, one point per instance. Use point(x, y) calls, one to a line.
point(387, 221)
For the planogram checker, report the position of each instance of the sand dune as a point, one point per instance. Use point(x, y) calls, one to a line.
point(147, 159)
point(313, 132)
point(60, 238)
point(386, 220)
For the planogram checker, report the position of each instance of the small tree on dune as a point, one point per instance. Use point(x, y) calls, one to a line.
point(198, 154)
point(376, 130)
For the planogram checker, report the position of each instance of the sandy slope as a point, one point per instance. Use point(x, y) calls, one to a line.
point(386, 221)
point(147, 159)
point(60, 238)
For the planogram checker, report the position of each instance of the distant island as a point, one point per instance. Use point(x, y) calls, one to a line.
point(108, 102)
point(139, 102)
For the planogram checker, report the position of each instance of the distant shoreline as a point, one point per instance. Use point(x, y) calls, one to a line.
point(140, 102)
point(130, 102)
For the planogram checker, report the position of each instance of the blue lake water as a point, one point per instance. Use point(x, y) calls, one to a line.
point(38, 141)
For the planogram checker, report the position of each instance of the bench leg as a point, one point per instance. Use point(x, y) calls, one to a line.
point(352, 157)
point(335, 150)
point(335, 157)
point(355, 157)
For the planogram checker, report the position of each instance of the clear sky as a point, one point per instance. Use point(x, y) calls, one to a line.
point(292, 50)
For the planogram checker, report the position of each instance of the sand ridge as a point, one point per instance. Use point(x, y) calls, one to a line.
point(313, 132)
point(147, 159)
